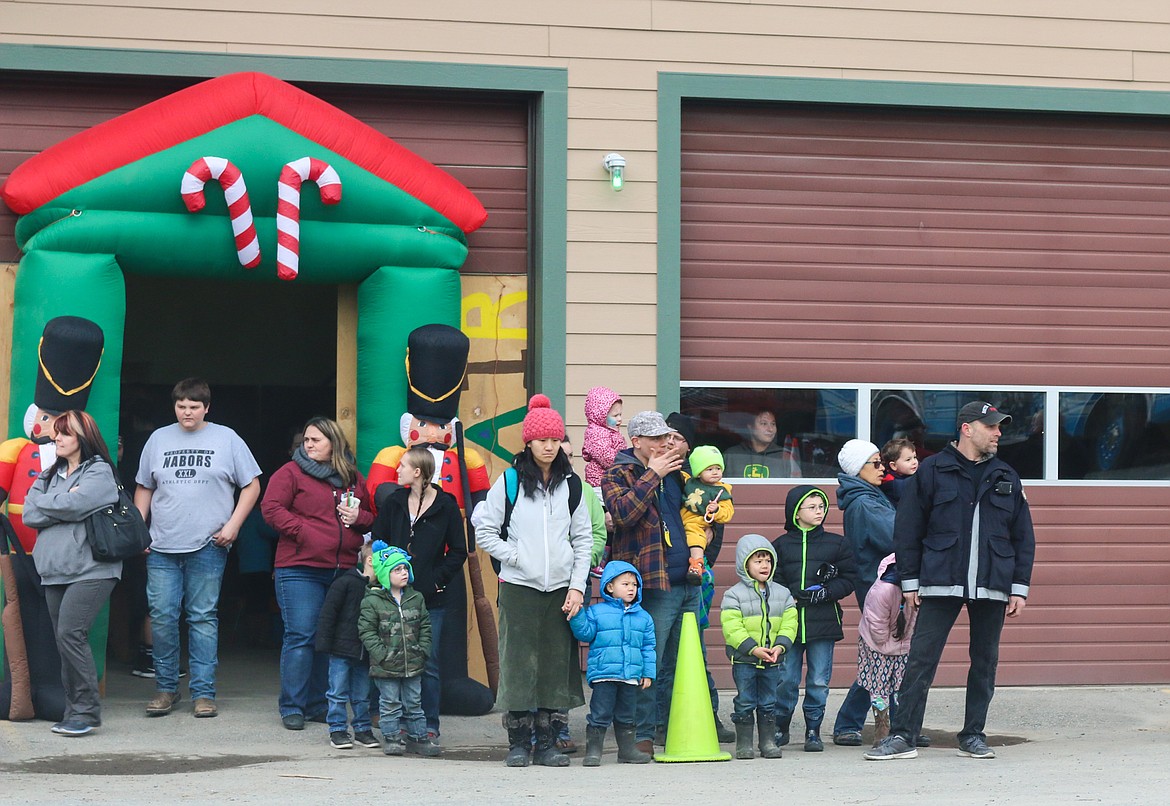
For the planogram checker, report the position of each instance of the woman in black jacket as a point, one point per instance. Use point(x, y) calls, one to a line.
point(427, 523)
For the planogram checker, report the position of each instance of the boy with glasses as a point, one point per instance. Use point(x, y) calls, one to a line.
point(817, 567)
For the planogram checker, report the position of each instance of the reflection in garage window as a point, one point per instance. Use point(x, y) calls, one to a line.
point(927, 417)
point(774, 433)
point(1107, 435)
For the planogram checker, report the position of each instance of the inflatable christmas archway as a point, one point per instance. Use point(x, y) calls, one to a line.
point(207, 182)
point(129, 195)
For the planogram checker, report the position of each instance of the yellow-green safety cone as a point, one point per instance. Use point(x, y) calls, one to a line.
point(690, 730)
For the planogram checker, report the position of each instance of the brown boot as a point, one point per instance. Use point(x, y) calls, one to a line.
point(881, 725)
point(162, 703)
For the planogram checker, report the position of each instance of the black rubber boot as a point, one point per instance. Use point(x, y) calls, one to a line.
point(594, 741)
point(545, 752)
point(519, 727)
point(766, 732)
point(724, 733)
point(743, 740)
point(628, 753)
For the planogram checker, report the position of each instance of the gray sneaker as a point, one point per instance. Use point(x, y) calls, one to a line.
point(975, 747)
point(892, 747)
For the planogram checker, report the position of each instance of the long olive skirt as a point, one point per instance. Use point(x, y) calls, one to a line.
point(538, 654)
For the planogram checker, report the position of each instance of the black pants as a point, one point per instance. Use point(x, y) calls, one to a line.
point(936, 616)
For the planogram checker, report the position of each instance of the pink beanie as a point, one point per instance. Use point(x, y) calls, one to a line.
point(542, 421)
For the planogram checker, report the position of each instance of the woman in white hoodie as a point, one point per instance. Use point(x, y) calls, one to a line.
point(542, 542)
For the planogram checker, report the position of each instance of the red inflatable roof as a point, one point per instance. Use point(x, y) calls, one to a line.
point(215, 103)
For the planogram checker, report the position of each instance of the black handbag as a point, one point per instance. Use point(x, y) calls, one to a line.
point(117, 532)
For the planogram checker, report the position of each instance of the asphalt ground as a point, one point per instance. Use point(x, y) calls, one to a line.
point(1107, 744)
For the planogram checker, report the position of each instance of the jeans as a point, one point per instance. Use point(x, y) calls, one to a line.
point(401, 700)
point(612, 701)
point(186, 582)
point(349, 684)
point(755, 691)
point(936, 616)
point(666, 608)
point(304, 672)
point(851, 716)
point(710, 680)
point(818, 655)
point(431, 684)
point(72, 610)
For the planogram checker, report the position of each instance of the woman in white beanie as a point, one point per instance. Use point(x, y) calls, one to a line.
point(869, 527)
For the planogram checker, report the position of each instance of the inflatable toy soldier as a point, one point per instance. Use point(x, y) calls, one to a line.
point(69, 353)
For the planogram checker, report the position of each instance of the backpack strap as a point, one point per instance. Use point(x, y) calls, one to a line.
point(574, 493)
point(511, 490)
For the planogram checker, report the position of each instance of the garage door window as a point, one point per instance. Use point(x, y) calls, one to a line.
point(1114, 435)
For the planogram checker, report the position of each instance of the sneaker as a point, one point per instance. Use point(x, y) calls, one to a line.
point(975, 747)
point(850, 738)
point(893, 746)
point(71, 728)
point(426, 747)
point(923, 740)
point(293, 722)
point(366, 738)
point(163, 703)
point(340, 740)
point(143, 663)
point(813, 743)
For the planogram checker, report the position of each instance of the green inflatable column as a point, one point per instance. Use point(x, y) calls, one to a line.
point(50, 284)
point(392, 302)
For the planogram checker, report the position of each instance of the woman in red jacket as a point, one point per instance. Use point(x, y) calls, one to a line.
point(314, 503)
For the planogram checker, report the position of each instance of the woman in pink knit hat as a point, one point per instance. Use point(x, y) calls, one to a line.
point(542, 543)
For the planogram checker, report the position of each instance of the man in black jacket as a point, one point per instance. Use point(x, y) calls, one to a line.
point(963, 536)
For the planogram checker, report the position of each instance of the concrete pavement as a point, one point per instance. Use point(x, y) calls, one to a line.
point(1055, 746)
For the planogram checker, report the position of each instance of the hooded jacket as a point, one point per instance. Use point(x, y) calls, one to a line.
point(601, 443)
point(869, 525)
point(620, 636)
point(435, 542)
point(337, 624)
point(956, 538)
point(396, 634)
point(802, 556)
point(880, 615)
point(547, 546)
point(756, 613)
point(56, 507)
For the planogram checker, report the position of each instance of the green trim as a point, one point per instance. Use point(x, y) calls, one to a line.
point(674, 88)
point(549, 148)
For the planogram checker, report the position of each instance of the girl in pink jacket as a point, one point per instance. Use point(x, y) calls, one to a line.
point(884, 642)
point(603, 435)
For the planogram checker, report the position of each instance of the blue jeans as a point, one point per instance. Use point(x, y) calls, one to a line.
point(818, 655)
point(349, 684)
point(187, 582)
point(851, 716)
point(755, 691)
point(612, 701)
point(431, 684)
point(401, 700)
point(304, 672)
point(666, 608)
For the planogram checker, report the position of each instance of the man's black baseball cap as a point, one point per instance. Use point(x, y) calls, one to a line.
point(978, 411)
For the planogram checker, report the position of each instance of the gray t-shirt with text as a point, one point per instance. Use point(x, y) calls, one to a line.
point(194, 476)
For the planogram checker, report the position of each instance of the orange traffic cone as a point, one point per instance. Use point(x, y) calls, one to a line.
point(690, 731)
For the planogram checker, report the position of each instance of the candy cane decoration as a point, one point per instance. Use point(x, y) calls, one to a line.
point(288, 208)
point(235, 193)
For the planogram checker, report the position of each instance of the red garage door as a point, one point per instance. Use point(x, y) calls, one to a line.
point(832, 245)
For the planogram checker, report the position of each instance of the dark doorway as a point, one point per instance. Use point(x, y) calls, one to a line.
point(269, 352)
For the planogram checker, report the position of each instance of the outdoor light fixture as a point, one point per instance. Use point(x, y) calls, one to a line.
point(616, 165)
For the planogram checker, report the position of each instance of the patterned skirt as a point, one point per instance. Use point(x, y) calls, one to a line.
point(880, 675)
point(539, 664)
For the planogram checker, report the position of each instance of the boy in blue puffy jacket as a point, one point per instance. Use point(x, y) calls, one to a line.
point(620, 635)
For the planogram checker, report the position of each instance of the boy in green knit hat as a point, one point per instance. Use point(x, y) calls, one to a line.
point(706, 500)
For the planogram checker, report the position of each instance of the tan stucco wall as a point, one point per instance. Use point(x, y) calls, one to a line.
point(613, 51)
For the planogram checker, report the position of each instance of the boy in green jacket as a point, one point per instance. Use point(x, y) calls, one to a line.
point(395, 629)
point(759, 624)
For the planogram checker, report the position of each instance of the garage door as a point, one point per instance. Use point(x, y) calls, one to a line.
point(481, 139)
point(875, 246)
